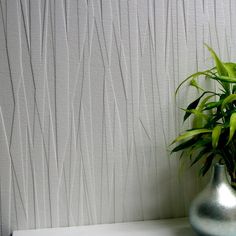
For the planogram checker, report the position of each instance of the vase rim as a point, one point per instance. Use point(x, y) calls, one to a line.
point(219, 165)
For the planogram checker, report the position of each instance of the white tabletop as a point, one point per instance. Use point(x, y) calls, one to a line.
point(173, 227)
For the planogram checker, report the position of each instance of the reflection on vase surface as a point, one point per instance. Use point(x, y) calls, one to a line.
point(213, 211)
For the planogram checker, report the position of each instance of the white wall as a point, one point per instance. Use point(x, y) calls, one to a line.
point(87, 107)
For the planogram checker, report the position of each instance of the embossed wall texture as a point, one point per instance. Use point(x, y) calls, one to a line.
point(87, 108)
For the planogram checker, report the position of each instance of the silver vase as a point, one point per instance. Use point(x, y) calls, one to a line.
point(213, 211)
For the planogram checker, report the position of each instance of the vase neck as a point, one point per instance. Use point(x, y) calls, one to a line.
point(219, 174)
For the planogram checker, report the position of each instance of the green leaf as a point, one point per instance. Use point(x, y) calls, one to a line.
point(234, 89)
point(199, 121)
point(184, 145)
point(211, 105)
point(206, 73)
point(191, 133)
point(191, 106)
point(200, 155)
point(199, 113)
point(226, 79)
point(204, 141)
point(207, 164)
point(194, 83)
point(221, 70)
point(232, 127)
point(202, 104)
point(231, 69)
point(227, 100)
point(219, 65)
point(216, 135)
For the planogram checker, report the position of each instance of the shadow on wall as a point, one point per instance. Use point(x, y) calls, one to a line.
point(158, 185)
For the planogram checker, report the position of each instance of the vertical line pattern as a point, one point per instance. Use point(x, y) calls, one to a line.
point(87, 106)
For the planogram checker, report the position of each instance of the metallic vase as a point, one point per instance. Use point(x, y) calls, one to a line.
point(213, 211)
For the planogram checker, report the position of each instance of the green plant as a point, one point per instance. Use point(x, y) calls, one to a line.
point(212, 135)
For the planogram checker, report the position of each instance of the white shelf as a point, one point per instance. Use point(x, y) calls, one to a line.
point(173, 227)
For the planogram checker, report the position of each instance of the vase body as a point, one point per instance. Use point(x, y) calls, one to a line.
point(213, 211)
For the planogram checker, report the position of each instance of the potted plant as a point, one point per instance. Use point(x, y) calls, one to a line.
point(212, 135)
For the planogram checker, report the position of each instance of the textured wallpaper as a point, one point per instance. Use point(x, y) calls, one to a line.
point(87, 107)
